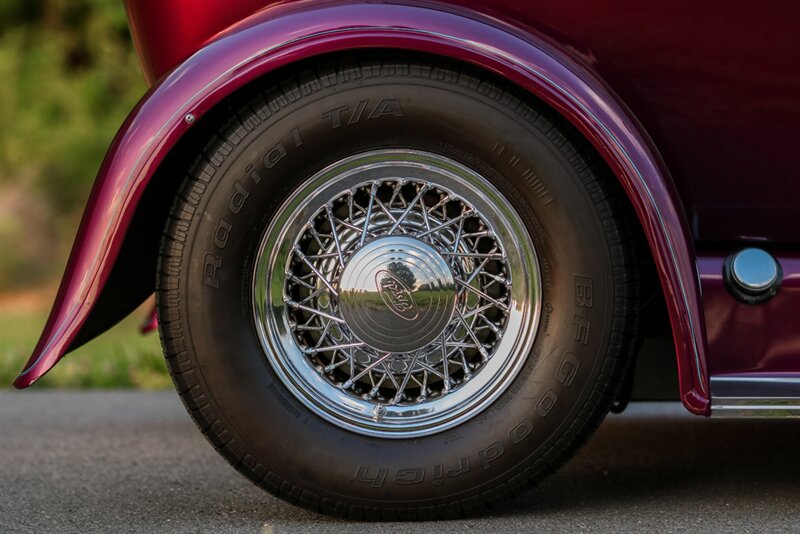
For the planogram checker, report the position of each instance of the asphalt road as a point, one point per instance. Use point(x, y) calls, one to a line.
point(134, 462)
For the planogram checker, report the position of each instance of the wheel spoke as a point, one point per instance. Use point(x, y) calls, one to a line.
point(402, 387)
point(430, 369)
point(465, 365)
point(355, 228)
point(424, 212)
point(330, 348)
point(332, 220)
point(405, 213)
point(457, 240)
point(496, 278)
point(324, 334)
point(490, 325)
point(385, 210)
point(396, 190)
point(477, 271)
point(294, 278)
point(372, 192)
point(321, 313)
point(451, 222)
point(442, 201)
point(352, 358)
point(474, 255)
point(390, 375)
point(471, 334)
point(483, 295)
point(376, 386)
point(331, 366)
point(461, 345)
point(318, 238)
point(366, 370)
point(314, 269)
point(350, 206)
point(313, 295)
point(445, 366)
point(423, 396)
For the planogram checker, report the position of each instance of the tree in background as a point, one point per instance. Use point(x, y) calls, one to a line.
point(68, 78)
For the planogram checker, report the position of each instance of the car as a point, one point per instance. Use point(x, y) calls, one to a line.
point(407, 255)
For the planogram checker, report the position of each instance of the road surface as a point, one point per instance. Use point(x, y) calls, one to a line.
point(134, 462)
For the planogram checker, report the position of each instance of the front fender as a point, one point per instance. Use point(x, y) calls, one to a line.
point(282, 35)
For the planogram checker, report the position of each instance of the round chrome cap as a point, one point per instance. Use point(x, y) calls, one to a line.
point(754, 270)
point(397, 294)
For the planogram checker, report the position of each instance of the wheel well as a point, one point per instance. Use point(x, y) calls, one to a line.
point(132, 279)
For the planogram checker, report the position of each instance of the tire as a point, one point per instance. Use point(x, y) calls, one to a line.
point(533, 189)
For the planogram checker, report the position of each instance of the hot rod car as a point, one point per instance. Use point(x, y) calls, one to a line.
point(406, 254)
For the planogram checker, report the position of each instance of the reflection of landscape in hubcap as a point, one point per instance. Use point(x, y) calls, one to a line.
point(396, 295)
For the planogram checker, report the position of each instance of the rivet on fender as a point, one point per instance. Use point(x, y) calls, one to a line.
point(189, 118)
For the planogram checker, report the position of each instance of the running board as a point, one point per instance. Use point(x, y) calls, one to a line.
point(755, 396)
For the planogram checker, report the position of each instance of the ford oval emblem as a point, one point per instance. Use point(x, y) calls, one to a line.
point(396, 295)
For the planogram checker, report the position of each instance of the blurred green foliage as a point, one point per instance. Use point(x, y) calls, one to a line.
point(120, 358)
point(68, 77)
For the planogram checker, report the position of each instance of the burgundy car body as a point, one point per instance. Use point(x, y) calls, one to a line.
point(694, 108)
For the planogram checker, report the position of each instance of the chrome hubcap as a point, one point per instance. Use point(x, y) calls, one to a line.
point(396, 293)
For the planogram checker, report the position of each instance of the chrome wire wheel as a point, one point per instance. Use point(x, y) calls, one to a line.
point(396, 293)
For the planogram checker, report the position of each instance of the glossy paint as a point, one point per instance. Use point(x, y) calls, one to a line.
point(277, 37)
point(166, 33)
point(743, 338)
point(714, 83)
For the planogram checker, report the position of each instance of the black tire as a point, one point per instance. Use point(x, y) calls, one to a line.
point(574, 210)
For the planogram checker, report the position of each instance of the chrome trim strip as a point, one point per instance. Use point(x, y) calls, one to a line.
point(765, 386)
point(755, 407)
point(756, 396)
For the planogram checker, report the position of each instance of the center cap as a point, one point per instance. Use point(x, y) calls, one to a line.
point(397, 294)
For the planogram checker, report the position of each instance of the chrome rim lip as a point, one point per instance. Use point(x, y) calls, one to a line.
point(364, 416)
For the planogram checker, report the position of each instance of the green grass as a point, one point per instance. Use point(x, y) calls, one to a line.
point(119, 358)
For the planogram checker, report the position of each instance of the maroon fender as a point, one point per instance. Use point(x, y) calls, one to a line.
point(278, 36)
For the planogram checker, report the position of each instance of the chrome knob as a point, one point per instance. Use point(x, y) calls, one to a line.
point(754, 269)
point(752, 275)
